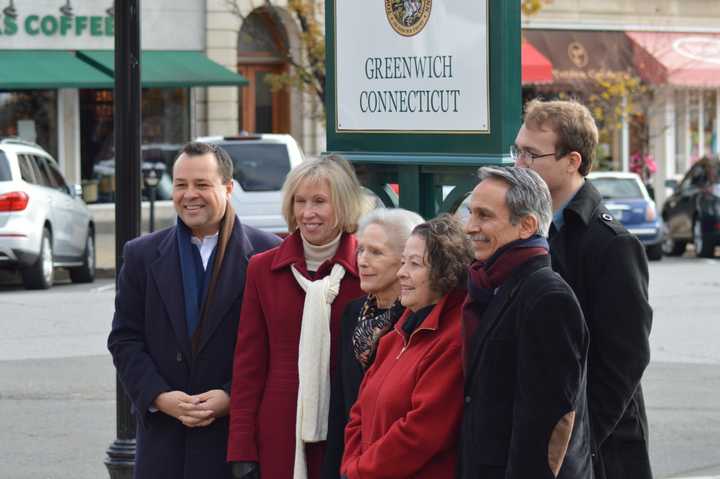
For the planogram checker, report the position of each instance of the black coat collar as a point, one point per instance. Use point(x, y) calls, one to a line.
point(498, 305)
point(166, 273)
point(583, 204)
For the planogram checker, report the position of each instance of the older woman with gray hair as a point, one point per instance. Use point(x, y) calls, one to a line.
point(525, 341)
point(381, 236)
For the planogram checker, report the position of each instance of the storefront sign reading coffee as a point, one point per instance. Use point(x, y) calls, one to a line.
point(58, 25)
point(412, 65)
point(90, 25)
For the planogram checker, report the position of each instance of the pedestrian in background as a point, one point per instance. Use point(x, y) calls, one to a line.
point(287, 346)
point(176, 316)
point(607, 268)
point(381, 237)
point(405, 422)
point(526, 342)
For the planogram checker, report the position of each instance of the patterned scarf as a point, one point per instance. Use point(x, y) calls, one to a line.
point(372, 324)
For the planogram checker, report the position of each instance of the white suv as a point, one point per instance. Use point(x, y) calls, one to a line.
point(44, 223)
point(260, 164)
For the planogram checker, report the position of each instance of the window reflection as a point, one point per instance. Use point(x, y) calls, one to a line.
point(165, 128)
point(30, 115)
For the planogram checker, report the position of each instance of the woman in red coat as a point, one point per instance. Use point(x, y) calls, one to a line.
point(289, 326)
point(405, 423)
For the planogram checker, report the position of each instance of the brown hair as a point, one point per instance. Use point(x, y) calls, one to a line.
point(573, 124)
point(448, 252)
point(224, 162)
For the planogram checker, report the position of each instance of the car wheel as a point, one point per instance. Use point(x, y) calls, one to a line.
point(40, 274)
point(671, 247)
point(703, 248)
point(86, 272)
point(654, 252)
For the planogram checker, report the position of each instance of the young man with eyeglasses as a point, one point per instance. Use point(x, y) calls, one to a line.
point(607, 269)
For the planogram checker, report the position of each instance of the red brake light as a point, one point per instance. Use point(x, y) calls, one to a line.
point(13, 201)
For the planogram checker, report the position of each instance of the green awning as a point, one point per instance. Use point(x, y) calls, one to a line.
point(169, 69)
point(48, 70)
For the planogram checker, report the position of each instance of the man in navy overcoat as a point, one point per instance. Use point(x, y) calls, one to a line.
point(176, 318)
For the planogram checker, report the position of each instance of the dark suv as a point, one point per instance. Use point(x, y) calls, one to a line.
point(692, 212)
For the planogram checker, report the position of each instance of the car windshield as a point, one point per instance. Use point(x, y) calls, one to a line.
point(4, 168)
point(259, 166)
point(617, 188)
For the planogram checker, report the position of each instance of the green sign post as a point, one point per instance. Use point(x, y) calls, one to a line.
point(422, 92)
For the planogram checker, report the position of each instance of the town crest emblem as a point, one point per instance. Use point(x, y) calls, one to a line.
point(408, 17)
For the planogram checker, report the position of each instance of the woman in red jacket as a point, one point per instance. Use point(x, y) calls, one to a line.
point(405, 422)
point(289, 326)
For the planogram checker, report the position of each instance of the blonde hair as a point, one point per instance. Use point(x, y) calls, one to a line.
point(346, 194)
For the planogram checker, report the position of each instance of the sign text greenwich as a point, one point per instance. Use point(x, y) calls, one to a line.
point(410, 100)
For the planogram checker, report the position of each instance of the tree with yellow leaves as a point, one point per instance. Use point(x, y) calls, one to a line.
point(531, 7)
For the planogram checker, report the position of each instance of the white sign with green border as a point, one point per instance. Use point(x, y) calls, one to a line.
point(412, 66)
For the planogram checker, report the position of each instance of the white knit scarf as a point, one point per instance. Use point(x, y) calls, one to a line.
point(313, 403)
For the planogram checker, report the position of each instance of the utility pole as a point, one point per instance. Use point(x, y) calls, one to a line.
point(120, 458)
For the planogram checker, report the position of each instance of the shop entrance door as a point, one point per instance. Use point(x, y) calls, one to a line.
point(262, 110)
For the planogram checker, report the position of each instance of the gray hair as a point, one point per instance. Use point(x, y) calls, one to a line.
point(528, 194)
point(398, 223)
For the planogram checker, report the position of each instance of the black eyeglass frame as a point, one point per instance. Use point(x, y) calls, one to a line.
point(516, 154)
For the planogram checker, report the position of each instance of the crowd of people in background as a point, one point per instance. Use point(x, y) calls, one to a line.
point(375, 344)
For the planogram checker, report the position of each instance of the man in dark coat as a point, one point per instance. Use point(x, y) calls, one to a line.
point(607, 268)
point(176, 318)
point(526, 342)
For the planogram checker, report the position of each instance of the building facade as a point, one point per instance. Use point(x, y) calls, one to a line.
point(204, 68)
point(671, 46)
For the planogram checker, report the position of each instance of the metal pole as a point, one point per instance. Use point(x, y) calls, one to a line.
point(120, 458)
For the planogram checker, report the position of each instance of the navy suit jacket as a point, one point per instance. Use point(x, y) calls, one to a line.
point(152, 351)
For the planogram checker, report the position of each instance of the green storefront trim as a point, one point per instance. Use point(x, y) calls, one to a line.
point(48, 70)
point(169, 68)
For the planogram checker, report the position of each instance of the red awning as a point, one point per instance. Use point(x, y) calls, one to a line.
point(681, 59)
point(535, 67)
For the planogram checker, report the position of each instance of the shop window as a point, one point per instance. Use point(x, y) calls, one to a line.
point(694, 108)
point(30, 115)
point(710, 107)
point(165, 129)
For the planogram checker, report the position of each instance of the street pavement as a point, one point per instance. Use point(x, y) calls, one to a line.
point(57, 382)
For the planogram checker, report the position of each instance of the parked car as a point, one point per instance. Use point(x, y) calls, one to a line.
point(627, 199)
point(692, 212)
point(44, 224)
point(155, 156)
point(261, 162)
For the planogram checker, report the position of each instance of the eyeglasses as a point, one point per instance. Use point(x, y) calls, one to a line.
point(525, 156)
